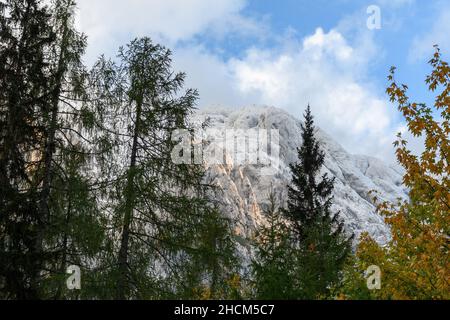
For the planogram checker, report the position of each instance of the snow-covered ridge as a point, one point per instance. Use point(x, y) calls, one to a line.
point(244, 188)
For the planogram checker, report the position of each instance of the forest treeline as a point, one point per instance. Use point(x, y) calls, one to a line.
point(87, 179)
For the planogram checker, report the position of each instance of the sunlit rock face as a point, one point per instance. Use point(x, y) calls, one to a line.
point(243, 189)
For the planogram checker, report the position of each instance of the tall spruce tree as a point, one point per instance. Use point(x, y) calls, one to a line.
point(25, 37)
point(44, 152)
point(318, 232)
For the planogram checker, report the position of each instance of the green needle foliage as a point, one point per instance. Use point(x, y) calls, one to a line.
point(274, 261)
point(42, 138)
point(319, 237)
point(159, 209)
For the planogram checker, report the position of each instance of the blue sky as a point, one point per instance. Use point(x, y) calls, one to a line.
point(286, 53)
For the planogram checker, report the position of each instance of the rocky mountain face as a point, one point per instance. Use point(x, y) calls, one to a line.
point(243, 189)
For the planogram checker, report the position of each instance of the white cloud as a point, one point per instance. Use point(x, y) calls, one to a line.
point(331, 43)
point(210, 74)
point(111, 23)
point(324, 71)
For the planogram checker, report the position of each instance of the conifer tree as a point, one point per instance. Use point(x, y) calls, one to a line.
point(45, 143)
point(212, 270)
point(72, 234)
point(66, 196)
point(159, 208)
point(25, 36)
point(318, 232)
point(273, 267)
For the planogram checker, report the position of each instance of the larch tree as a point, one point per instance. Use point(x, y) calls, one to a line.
point(73, 233)
point(159, 208)
point(212, 270)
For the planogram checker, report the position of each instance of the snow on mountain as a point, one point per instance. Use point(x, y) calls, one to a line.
point(246, 187)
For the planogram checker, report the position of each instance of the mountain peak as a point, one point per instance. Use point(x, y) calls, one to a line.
point(244, 188)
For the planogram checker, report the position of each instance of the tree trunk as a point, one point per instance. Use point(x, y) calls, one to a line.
point(122, 288)
point(63, 265)
point(50, 146)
